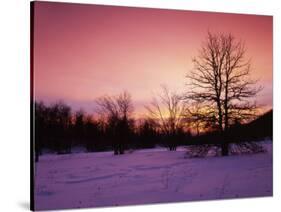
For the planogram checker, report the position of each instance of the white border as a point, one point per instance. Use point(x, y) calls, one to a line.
point(14, 106)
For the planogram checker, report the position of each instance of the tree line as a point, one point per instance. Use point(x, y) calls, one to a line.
point(59, 129)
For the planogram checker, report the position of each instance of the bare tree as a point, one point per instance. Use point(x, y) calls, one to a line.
point(116, 110)
point(125, 106)
point(220, 83)
point(168, 110)
point(118, 107)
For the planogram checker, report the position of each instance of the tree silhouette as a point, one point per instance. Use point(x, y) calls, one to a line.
point(40, 128)
point(117, 111)
point(196, 118)
point(92, 134)
point(79, 126)
point(147, 132)
point(168, 110)
point(59, 122)
point(220, 84)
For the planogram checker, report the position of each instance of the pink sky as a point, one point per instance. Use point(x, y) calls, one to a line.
point(84, 51)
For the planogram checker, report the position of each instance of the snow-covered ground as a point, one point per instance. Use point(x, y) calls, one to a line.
point(148, 176)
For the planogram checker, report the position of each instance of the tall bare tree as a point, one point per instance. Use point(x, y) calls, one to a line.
point(116, 110)
point(168, 110)
point(220, 83)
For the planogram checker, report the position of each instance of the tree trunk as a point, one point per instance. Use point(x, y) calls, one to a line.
point(225, 137)
point(225, 144)
point(224, 148)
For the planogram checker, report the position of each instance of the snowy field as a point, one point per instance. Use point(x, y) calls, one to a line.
point(148, 176)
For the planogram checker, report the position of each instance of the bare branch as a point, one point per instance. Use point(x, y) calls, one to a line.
point(220, 87)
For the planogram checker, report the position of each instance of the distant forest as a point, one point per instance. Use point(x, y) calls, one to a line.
point(59, 129)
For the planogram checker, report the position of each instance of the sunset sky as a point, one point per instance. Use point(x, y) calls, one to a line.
point(84, 51)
